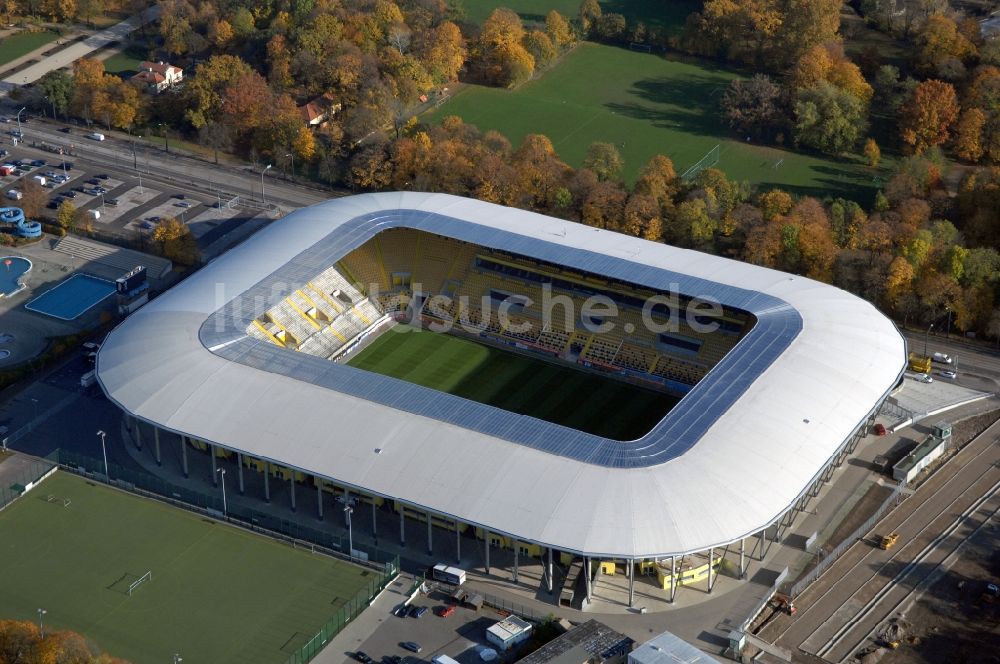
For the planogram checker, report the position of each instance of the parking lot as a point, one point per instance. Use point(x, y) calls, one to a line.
point(116, 198)
point(460, 635)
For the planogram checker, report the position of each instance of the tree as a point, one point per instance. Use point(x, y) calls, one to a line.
point(176, 241)
point(304, 145)
point(940, 39)
point(753, 106)
point(215, 135)
point(499, 54)
point(559, 30)
point(928, 115)
point(57, 87)
point(604, 160)
point(32, 199)
point(872, 153)
point(969, 134)
point(203, 93)
point(659, 180)
point(590, 12)
point(446, 53)
point(829, 119)
point(66, 215)
point(540, 47)
point(775, 203)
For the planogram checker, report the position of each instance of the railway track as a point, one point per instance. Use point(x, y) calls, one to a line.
point(845, 606)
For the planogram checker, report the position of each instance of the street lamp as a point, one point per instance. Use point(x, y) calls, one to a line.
point(41, 621)
point(348, 510)
point(927, 334)
point(292, 157)
point(262, 197)
point(104, 451)
point(19, 121)
point(166, 147)
point(225, 509)
point(947, 330)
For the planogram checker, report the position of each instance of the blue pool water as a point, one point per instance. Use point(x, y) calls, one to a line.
point(73, 297)
point(10, 274)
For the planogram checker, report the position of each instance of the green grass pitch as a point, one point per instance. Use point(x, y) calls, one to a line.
point(514, 382)
point(218, 594)
point(646, 104)
point(668, 16)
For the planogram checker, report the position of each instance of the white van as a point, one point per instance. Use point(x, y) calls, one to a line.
point(40, 179)
point(942, 358)
point(14, 195)
point(96, 214)
point(96, 136)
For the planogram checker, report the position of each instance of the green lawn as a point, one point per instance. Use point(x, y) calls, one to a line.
point(217, 594)
point(646, 104)
point(668, 15)
point(122, 63)
point(514, 382)
point(23, 43)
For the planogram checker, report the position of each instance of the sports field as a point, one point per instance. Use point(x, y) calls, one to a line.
point(22, 43)
point(645, 104)
point(514, 382)
point(217, 594)
point(669, 16)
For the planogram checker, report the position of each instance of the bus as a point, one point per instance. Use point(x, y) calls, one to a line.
point(452, 575)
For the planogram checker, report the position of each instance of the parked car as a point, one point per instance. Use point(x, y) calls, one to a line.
point(64, 130)
point(401, 611)
point(69, 194)
point(182, 204)
point(923, 378)
point(66, 165)
point(103, 176)
point(113, 201)
point(94, 181)
point(51, 174)
point(392, 659)
point(949, 374)
point(362, 657)
point(943, 358)
point(147, 225)
point(180, 196)
point(446, 611)
point(53, 205)
point(412, 646)
point(419, 611)
point(38, 163)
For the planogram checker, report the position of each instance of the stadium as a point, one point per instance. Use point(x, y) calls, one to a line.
point(544, 387)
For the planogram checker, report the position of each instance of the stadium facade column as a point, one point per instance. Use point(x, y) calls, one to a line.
point(319, 501)
point(138, 434)
point(548, 574)
point(743, 564)
point(402, 525)
point(586, 575)
point(156, 445)
point(430, 534)
point(215, 472)
point(673, 578)
point(517, 550)
point(239, 469)
point(486, 537)
point(184, 455)
point(711, 566)
point(458, 542)
point(374, 524)
point(631, 580)
point(267, 481)
point(291, 488)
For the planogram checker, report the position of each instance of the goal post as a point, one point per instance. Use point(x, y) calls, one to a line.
point(148, 576)
point(708, 161)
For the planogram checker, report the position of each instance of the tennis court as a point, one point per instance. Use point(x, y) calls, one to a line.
point(214, 593)
point(73, 297)
point(515, 382)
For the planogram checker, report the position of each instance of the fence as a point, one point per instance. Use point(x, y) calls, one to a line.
point(512, 607)
point(764, 600)
point(145, 484)
point(17, 482)
point(890, 502)
point(345, 615)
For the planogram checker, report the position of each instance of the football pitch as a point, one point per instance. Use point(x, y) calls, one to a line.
point(515, 382)
point(646, 105)
point(217, 593)
point(667, 16)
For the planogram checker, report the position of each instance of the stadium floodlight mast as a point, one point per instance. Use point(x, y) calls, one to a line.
point(41, 621)
point(225, 509)
point(104, 451)
point(348, 510)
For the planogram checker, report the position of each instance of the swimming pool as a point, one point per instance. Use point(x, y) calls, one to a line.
point(73, 297)
point(12, 268)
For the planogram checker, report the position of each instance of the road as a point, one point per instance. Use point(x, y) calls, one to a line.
point(841, 612)
point(179, 170)
point(67, 56)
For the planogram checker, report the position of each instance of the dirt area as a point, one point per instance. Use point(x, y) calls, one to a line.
point(952, 622)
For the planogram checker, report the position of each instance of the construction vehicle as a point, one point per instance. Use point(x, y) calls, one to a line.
point(886, 542)
point(784, 603)
point(919, 363)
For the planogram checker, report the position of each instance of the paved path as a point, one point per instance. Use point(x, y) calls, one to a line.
point(67, 56)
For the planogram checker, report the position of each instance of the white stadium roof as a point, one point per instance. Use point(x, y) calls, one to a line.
point(730, 459)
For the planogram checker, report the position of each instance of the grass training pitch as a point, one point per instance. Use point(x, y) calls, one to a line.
point(515, 382)
point(23, 43)
point(646, 105)
point(217, 594)
point(668, 16)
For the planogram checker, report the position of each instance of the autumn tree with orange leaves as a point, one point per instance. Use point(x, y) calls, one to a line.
point(927, 116)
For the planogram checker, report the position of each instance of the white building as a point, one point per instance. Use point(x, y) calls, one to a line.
point(669, 649)
point(509, 632)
